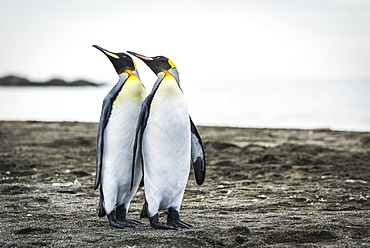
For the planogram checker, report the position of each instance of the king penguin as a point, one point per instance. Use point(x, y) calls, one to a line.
point(166, 142)
point(116, 133)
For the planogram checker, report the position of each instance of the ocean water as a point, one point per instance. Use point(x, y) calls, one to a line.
point(339, 105)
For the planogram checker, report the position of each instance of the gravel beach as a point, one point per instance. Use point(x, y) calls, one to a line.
point(263, 187)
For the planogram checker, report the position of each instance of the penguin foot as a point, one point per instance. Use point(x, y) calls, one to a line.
point(179, 223)
point(134, 222)
point(114, 222)
point(173, 219)
point(120, 224)
point(121, 216)
point(156, 225)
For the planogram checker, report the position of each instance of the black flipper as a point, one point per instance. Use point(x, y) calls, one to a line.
point(140, 127)
point(104, 118)
point(197, 154)
point(141, 124)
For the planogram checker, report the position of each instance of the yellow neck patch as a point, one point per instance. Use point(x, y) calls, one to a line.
point(169, 87)
point(167, 90)
point(133, 90)
point(169, 76)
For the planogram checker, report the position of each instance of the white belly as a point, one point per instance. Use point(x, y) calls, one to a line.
point(166, 154)
point(118, 145)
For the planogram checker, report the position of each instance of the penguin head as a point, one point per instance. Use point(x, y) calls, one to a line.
point(120, 61)
point(157, 64)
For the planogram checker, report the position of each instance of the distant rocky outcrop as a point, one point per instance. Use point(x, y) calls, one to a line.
point(19, 81)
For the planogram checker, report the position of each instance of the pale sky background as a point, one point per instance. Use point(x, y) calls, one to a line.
point(208, 40)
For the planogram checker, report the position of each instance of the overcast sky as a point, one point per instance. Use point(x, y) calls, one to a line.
point(207, 40)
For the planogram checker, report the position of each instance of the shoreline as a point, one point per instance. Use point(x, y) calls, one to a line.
point(315, 129)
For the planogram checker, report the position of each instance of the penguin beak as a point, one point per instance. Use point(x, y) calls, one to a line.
point(106, 52)
point(140, 56)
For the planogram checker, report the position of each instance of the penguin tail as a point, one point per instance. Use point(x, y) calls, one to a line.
point(141, 182)
point(101, 212)
point(144, 211)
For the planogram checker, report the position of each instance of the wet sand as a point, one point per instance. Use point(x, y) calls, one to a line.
point(264, 187)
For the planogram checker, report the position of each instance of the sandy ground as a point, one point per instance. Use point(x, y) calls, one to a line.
point(264, 187)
